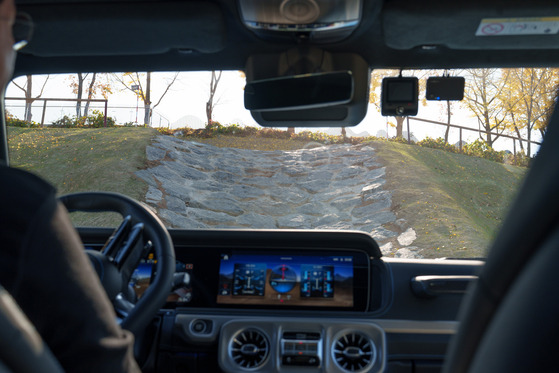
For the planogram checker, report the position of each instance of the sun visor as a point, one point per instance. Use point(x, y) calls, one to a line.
point(296, 64)
point(123, 29)
point(471, 25)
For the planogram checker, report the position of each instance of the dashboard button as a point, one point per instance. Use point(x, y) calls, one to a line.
point(201, 326)
point(302, 336)
point(301, 360)
point(289, 347)
point(313, 361)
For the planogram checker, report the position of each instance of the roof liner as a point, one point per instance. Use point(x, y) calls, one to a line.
point(171, 35)
point(125, 29)
point(411, 24)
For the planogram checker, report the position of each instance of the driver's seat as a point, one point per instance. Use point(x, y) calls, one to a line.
point(21, 348)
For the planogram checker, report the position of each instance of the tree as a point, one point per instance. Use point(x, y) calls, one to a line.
point(483, 94)
point(449, 106)
point(212, 101)
point(27, 89)
point(510, 99)
point(143, 82)
point(95, 87)
point(529, 100)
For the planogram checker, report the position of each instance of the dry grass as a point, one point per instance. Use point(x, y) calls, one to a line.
point(253, 143)
point(83, 159)
point(456, 203)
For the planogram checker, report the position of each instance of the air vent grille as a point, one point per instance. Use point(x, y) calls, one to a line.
point(249, 348)
point(354, 352)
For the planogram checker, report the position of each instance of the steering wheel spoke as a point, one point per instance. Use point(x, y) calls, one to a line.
point(139, 232)
point(117, 238)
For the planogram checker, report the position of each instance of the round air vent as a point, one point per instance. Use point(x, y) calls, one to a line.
point(354, 352)
point(249, 348)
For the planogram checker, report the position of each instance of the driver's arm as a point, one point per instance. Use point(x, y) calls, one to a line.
point(44, 267)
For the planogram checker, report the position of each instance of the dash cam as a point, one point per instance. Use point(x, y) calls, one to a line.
point(399, 97)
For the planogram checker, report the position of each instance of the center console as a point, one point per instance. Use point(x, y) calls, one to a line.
point(306, 345)
point(275, 301)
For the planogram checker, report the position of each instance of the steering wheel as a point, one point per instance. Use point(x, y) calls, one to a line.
point(139, 232)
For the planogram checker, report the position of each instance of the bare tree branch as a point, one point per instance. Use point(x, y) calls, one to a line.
point(166, 90)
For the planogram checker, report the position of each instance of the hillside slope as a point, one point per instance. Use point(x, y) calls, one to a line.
point(454, 203)
point(84, 159)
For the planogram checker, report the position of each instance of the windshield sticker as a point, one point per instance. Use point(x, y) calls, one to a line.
point(518, 26)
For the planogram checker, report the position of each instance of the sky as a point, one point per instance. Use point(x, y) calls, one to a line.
point(185, 104)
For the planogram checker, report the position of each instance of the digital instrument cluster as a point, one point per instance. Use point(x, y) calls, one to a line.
point(294, 280)
point(286, 279)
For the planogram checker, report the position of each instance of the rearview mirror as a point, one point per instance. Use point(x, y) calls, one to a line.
point(298, 92)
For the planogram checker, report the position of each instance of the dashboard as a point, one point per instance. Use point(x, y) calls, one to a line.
point(293, 301)
point(266, 279)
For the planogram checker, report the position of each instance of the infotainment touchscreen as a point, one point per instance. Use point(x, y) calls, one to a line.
point(290, 280)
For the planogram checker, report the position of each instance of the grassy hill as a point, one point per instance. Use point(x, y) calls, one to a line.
point(83, 159)
point(454, 202)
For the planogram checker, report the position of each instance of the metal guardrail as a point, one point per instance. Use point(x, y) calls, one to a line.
point(45, 100)
point(156, 119)
point(514, 138)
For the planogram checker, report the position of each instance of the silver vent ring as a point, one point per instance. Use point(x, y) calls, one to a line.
point(249, 349)
point(353, 351)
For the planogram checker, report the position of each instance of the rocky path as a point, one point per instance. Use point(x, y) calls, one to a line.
point(194, 185)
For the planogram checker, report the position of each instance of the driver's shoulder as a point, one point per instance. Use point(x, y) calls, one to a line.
point(20, 185)
point(23, 197)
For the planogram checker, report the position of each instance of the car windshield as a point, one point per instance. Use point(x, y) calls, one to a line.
point(435, 185)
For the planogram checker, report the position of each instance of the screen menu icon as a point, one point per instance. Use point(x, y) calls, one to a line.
point(249, 279)
point(317, 281)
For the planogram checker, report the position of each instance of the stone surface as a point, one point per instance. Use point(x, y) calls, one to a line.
point(382, 234)
point(295, 221)
point(175, 204)
point(155, 154)
point(194, 185)
point(147, 176)
point(180, 221)
point(153, 195)
point(407, 238)
point(209, 217)
point(226, 205)
point(408, 253)
point(257, 221)
point(386, 249)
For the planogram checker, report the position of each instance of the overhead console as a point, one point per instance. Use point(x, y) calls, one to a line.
point(319, 21)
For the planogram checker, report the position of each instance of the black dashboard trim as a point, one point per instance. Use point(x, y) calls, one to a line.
point(379, 296)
